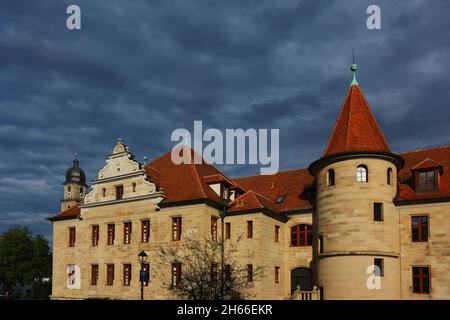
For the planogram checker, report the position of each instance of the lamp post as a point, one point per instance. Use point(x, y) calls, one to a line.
point(144, 273)
point(222, 217)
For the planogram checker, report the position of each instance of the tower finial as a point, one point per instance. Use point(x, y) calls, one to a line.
point(76, 162)
point(354, 68)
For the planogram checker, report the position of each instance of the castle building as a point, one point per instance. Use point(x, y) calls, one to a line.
point(361, 222)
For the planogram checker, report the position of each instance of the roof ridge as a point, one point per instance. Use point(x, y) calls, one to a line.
point(425, 160)
point(260, 175)
point(253, 194)
point(350, 109)
point(425, 148)
point(259, 195)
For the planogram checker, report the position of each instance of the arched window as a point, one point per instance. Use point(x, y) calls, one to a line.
point(389, 176)
point(301, 235)
point(362, 173)
point(331, 177)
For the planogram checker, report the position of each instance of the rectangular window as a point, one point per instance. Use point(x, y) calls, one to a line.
point(94, 274)
point(109, 274)
point(227, 273)
point(72, 236)
point(126, 274)
point(301, 235)
point(249, 273)
point(331, 180)
point(104, 192)
point(214, 228)
point(134, 187)
point(95, 233)
point(421, 280)
point(111, 234)
point(426, 181)
point(419, 228)
point(277, 233)
point(127, 232)
point(378, 211)
point(249, 229)
point(176, 274)
point(320, 244)
point(176, 228)
point(214, 272)
point(119, 192)
point(379, 263)
point(228, 230)
point(277, 274)
point(145, 231)
point(146, 267)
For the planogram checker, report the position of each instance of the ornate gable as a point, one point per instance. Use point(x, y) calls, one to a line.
point(121, 170)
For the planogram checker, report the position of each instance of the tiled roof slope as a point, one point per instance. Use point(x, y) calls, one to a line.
point(251, 200)
point(292, 184)
point(356, 128)
point(183, 182)
point(69, 213)
point(419, 159)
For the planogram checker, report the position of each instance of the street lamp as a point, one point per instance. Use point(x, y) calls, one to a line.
point(222, 217)
point(144, 273)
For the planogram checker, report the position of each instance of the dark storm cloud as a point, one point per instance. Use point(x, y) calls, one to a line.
point(140, 69)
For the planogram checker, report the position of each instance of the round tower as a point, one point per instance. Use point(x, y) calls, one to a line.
point(75, 186)
point(356, 224)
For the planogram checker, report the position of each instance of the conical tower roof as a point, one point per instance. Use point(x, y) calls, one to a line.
point(356, 128)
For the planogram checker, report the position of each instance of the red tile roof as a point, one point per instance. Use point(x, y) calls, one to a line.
point(422, 159)
point(251, 200)
point(183, 182)
point(70, 213)
point(187, 182)
point(356, 128)
point(426, 163)
point(292, 184)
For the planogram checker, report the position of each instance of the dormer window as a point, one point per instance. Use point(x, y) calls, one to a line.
point(225, 192)
point(426, 181)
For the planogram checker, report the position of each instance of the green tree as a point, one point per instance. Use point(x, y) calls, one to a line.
point(24, 259)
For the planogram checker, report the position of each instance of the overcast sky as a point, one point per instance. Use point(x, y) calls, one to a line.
point(140, 69)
